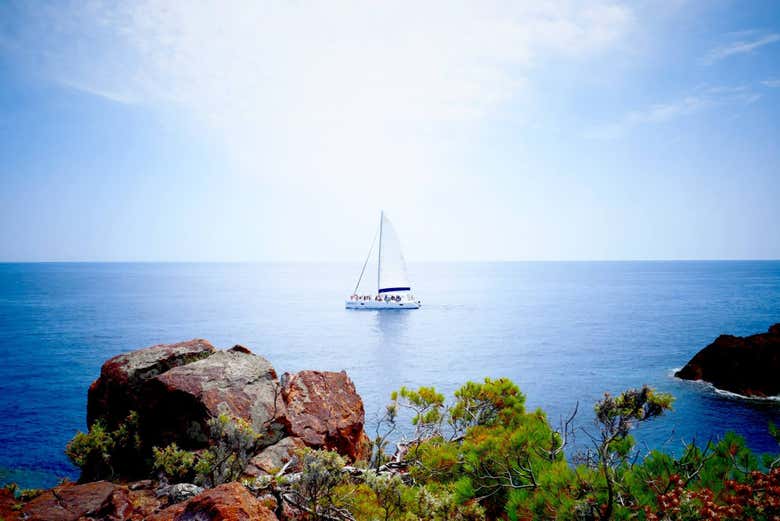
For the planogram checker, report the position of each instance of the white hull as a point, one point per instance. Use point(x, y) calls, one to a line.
point(373, 304)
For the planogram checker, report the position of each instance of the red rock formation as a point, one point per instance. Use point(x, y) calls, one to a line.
point(8, 504)
point(325, 411)
point(96, 500)
point(119, 388)
point(228, 502)
point(176, 389)
point(744, 365)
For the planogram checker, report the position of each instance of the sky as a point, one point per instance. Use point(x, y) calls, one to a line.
point(277, 131)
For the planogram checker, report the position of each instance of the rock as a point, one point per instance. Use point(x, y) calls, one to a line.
point(99, 500)
point(8, 502)
point(744, 365)
point(183, 491)
point(324, 410)
point(119, 388)
point(179, 402)
point(273, 458)
point(70, 502)
point(228, 502)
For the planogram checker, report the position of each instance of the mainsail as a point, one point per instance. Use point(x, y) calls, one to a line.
point(392, 275)
point(388, 260)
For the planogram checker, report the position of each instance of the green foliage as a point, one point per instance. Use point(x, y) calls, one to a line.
point(488, 403)
point(615, 417)
point(100, 453)
point(316, 490)
point(482, 456)
point(426, 405)
point(177, 465)
point(389, 492)
point(233, 443)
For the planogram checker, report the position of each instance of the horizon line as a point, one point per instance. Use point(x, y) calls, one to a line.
point(439, 261)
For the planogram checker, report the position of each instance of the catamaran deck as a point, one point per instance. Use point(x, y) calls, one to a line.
point(381, 304)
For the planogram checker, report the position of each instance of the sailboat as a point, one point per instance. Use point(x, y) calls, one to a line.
point(393, 290)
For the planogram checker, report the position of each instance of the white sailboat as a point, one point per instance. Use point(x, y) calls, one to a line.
point(393, 289)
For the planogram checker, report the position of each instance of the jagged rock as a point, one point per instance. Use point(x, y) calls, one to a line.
point(273, 458)
point(228, 502)
point(180, 402)
point(98, 501)
point(183, 491)
point(323, 409)
point(71, 502)
point(119, 388)
point(177, 388)
point(744, 365)
point(8, 504)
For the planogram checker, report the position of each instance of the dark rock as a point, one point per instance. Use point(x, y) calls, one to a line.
point(240, 349)
point(325, 411)
point(744, 365)
point(228, 502)
point(119, 388)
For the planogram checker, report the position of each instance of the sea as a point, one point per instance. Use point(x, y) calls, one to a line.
point(565, 332)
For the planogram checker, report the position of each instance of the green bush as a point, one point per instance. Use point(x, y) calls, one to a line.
point(177, 465)
point(233, 443)
point(102, 454)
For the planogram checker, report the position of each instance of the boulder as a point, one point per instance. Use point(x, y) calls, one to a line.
point(744, 365)
point(98, 500)
point(273, 458)
point(8, 502)
point(179, 402)
point(119, 388)
point(228, 502)
point(323, 409)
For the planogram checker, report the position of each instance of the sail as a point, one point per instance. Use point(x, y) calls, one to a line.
point(392, 266)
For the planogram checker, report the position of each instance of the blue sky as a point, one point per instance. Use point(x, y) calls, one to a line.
point(276, 131)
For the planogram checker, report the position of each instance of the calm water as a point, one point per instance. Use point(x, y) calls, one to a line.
point(565, 332)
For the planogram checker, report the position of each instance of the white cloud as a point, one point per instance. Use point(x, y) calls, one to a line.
point(740, 47)
point(326, 110)
point(700, 99)
point(345, 81)
point(773, 83)
point(322, 60)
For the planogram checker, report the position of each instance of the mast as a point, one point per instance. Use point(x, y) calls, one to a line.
point(379, 262)
point(365, 263)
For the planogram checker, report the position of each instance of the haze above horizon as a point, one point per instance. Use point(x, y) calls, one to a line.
point(489, 131)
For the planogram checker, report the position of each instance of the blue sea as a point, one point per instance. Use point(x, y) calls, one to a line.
point(565, 332)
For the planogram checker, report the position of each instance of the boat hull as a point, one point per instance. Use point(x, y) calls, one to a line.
point(373, 304)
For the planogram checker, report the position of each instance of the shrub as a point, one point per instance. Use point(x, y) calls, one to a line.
point(233, 443)
point(315, 490)
point(101, 454)
point(177, 465)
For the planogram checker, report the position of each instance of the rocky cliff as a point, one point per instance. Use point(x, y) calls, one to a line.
point(744, 365)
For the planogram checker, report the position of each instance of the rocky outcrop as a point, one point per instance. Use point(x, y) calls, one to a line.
point(8, 505)
point(744, 365)
point(120, 386)
point(177, 388)
point(228, 502)
point(324, 411)
point(98, 500)
point(235, 382)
